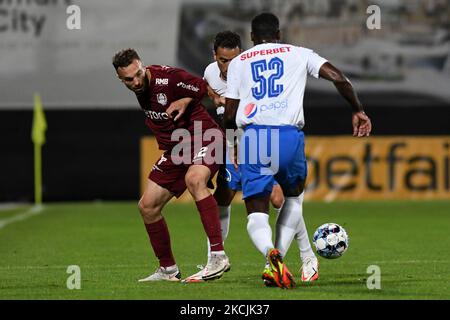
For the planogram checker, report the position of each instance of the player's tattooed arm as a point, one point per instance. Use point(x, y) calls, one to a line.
point(361, 123)
point(178, 107)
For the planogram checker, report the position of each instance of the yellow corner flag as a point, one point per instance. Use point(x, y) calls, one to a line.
point(38, 138)
point(39, 123)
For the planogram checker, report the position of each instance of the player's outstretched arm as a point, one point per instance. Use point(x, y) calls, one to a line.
point(361, 123)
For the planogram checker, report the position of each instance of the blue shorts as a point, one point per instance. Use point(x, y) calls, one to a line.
point(229, 176)
point(267, 155)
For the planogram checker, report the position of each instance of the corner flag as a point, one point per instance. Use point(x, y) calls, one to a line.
point(38, 138)
point(39, 123)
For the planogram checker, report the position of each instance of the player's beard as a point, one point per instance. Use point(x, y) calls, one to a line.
point(144, 87)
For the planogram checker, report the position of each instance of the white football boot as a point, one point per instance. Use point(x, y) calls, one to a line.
point(214, 269)
point(164, 274)
point(310, 269)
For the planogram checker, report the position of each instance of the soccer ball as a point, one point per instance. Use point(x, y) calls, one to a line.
point(330, 240)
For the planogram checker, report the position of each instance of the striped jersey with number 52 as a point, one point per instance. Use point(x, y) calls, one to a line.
point(269, 80)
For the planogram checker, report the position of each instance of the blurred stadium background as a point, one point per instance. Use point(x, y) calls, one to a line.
point(98, 148)
point(92, 150)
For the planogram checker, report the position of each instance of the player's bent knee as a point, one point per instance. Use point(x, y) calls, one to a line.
point(195, 182)
point(148, 209)
point(277, 201)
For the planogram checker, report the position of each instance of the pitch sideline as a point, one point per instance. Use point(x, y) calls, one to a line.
point(33, 211)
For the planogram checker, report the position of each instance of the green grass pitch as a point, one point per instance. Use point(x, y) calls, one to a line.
point(409, 241)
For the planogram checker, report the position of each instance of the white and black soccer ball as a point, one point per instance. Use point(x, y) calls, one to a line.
point(330, 240)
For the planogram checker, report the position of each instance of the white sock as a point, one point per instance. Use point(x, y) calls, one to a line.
point(302, 237)
point(224, 216)
point(259, 230)
point(287, 223)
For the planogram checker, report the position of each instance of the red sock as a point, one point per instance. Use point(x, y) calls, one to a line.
point(160, 240)
point(209, 213)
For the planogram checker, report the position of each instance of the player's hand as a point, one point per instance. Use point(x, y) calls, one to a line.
point(177, 108)
point(362, 126)
point(219, 101)
point(215, 97)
